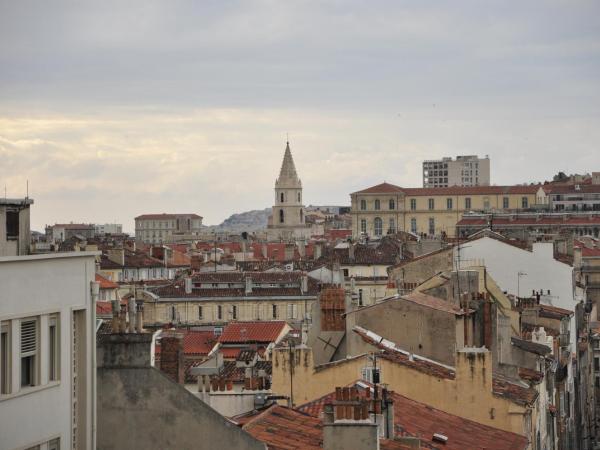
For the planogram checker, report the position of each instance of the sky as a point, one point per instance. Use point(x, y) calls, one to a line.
point(115, 109)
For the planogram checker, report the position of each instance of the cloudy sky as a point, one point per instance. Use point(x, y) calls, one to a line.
point(113, 109)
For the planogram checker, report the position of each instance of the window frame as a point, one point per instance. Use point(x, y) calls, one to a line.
point(32, 356)
point(431, 204)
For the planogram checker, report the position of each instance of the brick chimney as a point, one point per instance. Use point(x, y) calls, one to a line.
point(347, 424)
point(171, 355)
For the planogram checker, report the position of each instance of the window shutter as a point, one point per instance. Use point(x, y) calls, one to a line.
point(28, 337)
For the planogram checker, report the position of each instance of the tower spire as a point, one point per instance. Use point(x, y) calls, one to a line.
point(288, 175)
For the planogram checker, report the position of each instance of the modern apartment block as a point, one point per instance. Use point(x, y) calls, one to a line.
point(465, 170)
point(159, 228)
point(101, 229)
point(47, 348)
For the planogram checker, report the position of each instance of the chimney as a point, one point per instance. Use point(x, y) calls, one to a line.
point(304, 285)
point(318, 250)
point(351, 250)
point(132, 317)
point(139, 316)
point(302, 248)
point(116, 255)
point(265, 252)
point(188, 285)
point(171, 356)
point(248, 286)
point(346, 422)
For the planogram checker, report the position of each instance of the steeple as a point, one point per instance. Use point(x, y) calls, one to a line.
point(288, 177)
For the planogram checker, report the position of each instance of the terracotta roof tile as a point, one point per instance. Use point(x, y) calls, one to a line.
point(416, 419)
point(105, 283)
point(245, 332)
point(383, 188)
point(165, 216)
point(521, 395)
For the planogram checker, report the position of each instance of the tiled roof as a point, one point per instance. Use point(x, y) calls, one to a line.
point(195, 343)
point(529, 346)
point(107, 264)
point(105, 283)
point(176, 290)
point(416, 419)
point(259, 331)
point(570, 189)
point(165, 216)
point(433, 302)
point(530, 375)
point(514, 392)
point(590, 252)
point(520, 221)
point(554, 312)
point(103, 308)
point(74, 226)
point(240, 277)
point(282, 428)
point(472, 190)
point(399, 356)
point(383, 188)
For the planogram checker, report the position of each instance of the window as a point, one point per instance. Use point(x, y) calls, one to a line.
point(12, 224)
point(345, 272)
point(363, 205)
point(4, 358)
point(200, 313)
point(173, 313)
point(281, 198)
point(360, 297)
point(377, 205)
point(392, 204)
point(281, 216)
point(53, 349)
point(505, 202)
point(431, 203)
point(486, 203)
point(234, 312)
point(29, 352)
point(524, 202)
point(219, 312)
point(468, 203)
point(413, 225)
point(299, 197)
point(448, 203)
point(596, 364)
point(431, 226)
point(54, 444)
point(363, 225)
point(378, 226)
point(392, 228)
point(274, 311)
point(413, 204)
point(292, 311)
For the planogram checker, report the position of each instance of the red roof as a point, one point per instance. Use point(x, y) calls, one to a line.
point(383, 188)
point(105, 283)
point(590, 252)
point(530, 221)
point(387, 188)
point(165, 216)
point(198, 343)
point(282, 428)
point(103, 308)
point(242, 332)
point(413, 418)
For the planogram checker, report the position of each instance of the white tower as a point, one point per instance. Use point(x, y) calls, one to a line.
point(288, 210)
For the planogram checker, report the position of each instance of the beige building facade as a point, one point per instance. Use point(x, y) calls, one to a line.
point(159, 228)
point(386, 208)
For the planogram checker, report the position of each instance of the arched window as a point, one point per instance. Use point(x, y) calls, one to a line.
point(281, 216)
point(392, 204)
point(301, 216)
point(363, 205)
point(378, 226)
point(377, 205)
point(299, 197)
point(281, 197)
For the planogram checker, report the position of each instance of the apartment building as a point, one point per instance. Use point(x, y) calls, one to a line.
point(47, 350)
point(466, 170)
point(387, 208)
point(102, 229)
point(159, 228)
point(14, 226)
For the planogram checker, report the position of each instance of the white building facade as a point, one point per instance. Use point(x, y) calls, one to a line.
point(466, 170)
point(47, 351)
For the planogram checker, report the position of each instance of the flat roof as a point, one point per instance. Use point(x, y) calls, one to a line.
point(16, 201)
point(42, 256)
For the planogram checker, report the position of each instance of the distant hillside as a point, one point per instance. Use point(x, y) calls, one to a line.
point(247, 221)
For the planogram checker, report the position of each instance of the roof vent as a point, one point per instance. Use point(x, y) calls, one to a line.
point(438, 437)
